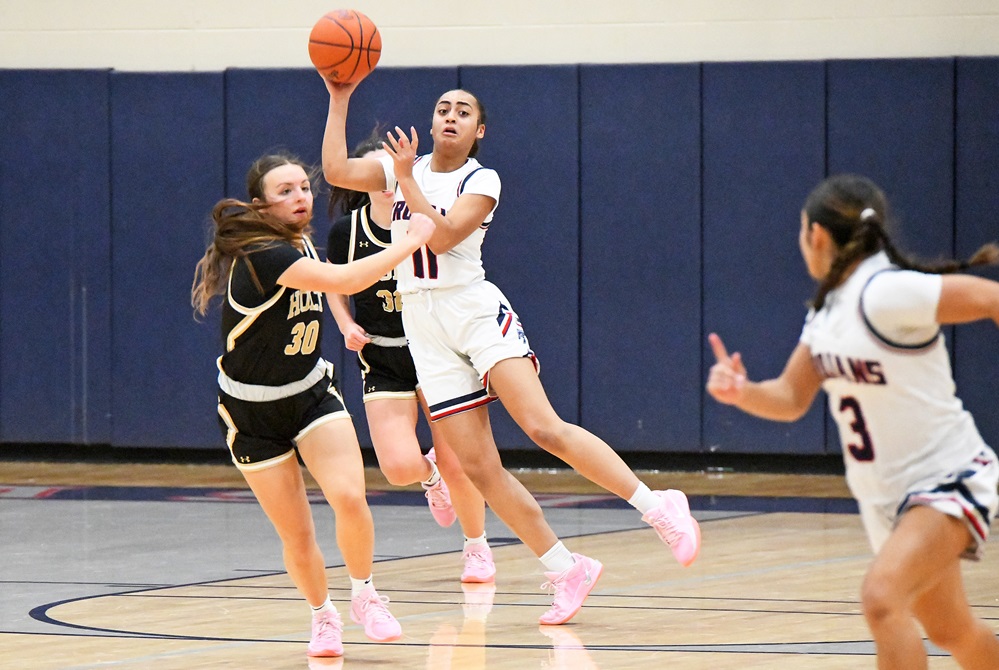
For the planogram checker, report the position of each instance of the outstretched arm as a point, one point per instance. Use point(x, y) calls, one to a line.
point(309, 274)
point(356, 174)
point(965, 298)
point(785, 398)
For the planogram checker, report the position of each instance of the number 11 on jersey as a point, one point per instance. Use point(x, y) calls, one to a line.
point(424, 263)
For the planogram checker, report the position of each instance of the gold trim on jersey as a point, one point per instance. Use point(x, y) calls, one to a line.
point(326, 418)
point(366, 223)
point(389, 395)
point(251, 313)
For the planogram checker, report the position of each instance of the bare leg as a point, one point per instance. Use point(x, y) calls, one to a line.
point(915, 574)
point(468, 503)
point(392, 423)
point(523, 396)
point(950, 624)
point(280, 490)
point(470, 438)
point(333, 456)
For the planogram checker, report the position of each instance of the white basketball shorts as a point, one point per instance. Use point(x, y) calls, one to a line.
point(456, 335)
point(968, 493)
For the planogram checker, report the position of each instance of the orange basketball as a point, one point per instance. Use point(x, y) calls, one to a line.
point(345, 46)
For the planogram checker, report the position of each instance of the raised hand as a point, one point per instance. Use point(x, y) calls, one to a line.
point(402, 149)
point(727, 377)
point(339, 90)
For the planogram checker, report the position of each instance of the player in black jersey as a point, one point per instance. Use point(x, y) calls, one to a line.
point(277, 396)
point(392, 398)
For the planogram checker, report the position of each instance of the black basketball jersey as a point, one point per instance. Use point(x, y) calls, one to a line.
point(271, 338)
point(378, 308)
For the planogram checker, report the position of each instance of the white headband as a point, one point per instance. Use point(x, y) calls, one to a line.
point(868, 213)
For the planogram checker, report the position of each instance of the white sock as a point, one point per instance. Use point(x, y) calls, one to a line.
point(358, 585)
point(434, 477)
point(643, 499)
point(558, 558)
point(325, 607)
point(469, 541)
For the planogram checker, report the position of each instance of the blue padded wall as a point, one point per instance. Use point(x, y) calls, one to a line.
point(532, 250)
point(697, 171)
point(167, 173)
point(977, 202)
point(54, 257)
point(893, 121)
point(763, 150)
point(640, 152)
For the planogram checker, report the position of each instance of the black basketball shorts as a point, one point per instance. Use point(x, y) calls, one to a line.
point(263, 434)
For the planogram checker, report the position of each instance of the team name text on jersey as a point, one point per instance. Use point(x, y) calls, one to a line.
point(400, 211)
point(304, 301)
point(831, 366)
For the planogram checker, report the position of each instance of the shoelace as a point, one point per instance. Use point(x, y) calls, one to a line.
point(374, 607)
point(669, 529)
point(435, 494)
point(553, 586)
point(476, 559)
point(328, 625)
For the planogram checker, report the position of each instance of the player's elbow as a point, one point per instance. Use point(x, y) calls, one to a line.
point(796, 407)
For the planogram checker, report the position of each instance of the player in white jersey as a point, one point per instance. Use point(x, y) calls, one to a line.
point(392, 397)
point(922, 475)
point(277, 396)
point(469, 346)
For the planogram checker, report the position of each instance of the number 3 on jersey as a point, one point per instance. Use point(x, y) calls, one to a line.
point(424, 263)
point(864, 451)
point(303, 338)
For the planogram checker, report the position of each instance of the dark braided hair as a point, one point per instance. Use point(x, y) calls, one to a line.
point(855, 212)
point(343, 200)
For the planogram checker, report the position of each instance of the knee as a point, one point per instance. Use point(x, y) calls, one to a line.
point(348, 506)
point(877, 600)
point(956, 632)
point(402, 472)
point(484, 471)
point(944, 637)
point(299, 541)
point(552, 436)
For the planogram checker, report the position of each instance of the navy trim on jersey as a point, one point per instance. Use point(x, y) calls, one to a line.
point(884, 340)
point(460, 404)
point(461, 186)
point(461, 189)
point(960, 488)
point(957, 488)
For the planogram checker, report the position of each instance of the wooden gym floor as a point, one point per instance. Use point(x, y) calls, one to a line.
point(174, 566)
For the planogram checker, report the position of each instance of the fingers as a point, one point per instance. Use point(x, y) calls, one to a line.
point(399, 143)
point(727, 377)
point(392, 146)
point(718, 347)
point(737, 365)
point(724, 384)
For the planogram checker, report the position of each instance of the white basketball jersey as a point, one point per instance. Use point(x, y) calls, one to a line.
point(891, 395)
point(462, 265)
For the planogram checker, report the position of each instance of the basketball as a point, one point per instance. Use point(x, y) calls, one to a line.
point(345, 46)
